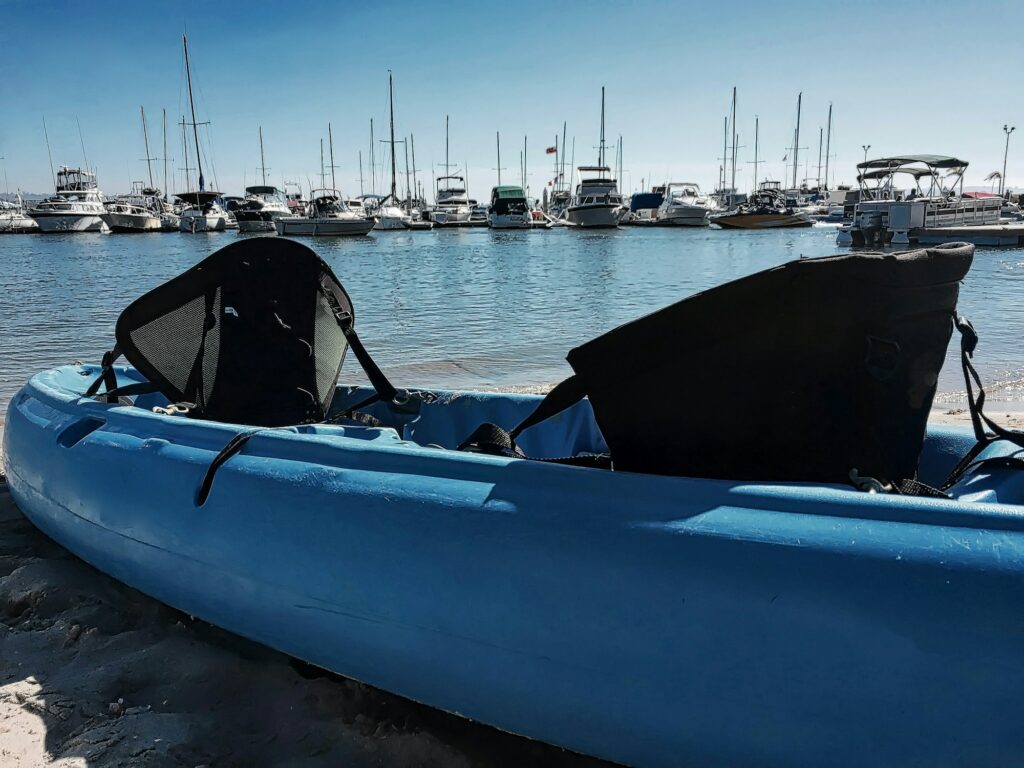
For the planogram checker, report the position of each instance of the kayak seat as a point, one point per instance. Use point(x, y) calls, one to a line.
point(818, 370)
point(254, 334)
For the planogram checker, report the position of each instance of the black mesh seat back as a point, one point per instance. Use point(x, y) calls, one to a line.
point(251, 334)
point(802, 372)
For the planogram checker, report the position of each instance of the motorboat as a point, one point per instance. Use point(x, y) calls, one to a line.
point(764, 209)
point(643, 206)
point(327, 215)
point(14, 219)
point(886, 213)
point(451, 203)
point(685, 205)
point(509, 209)
point(260, 209)
point(649, 618)
point(77, 205)
point(202, 212)
point(597, 202)
point(132, 214)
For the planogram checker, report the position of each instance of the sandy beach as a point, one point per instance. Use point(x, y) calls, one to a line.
point(95, 674)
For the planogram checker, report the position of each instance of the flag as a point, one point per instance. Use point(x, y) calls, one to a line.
point(550, 150)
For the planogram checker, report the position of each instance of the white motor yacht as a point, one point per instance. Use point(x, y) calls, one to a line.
point(597, 202)
point(262, 207)
point(77, 205)
point(451, 203)
point(326, 215)
point(685, 205)
point(131, 214)
point(509, 209)
point(202, 212)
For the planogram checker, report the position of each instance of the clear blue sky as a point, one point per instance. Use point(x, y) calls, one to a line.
point(937, 77)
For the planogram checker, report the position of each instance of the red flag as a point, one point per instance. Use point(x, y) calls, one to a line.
point(550, 150)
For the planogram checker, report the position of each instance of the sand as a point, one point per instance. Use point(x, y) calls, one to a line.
point(95, 674)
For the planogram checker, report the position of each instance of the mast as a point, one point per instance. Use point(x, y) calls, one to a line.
point(557, 158)
point(82, 142)
point(391, 104)
point(821, 133)
point(828, 143)
point(263, 163)
point(360, 173)
point(373, 165)
point(446, 165)
point(53, 176)
point(322, 182)
point(165, 155)
point(757, 137)
point(725, 147)
point(600, 148)
point(498, 135)
point(796, 137)
point(184, 144)
point(415, 184)
point(192, 105)
point(145, 136)
point(524, 165)
point(733, 182)
point(563, 154)
point(408, 192)
point(330, 142)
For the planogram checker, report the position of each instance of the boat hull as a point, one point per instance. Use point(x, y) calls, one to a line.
point(761, 221)
point(128, 222)
point(20, 224)
point(510, 221)
point(650, 620)
point(684, 217)
point(324, 227)
point(202, 223)
point(593, 216)
point(82, 222)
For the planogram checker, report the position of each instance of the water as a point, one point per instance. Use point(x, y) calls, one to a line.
point(462, 308)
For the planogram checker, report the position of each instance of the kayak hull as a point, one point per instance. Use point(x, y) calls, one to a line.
point(649, 620)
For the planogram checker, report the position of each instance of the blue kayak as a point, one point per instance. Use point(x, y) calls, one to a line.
point(651, 620)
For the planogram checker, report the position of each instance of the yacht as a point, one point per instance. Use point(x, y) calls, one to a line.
point(326, 215)
point(203, 212)
point(77, 205)
point(685, 205)
point(131, 214)
point(451, 203)
point(260, 209)
point(765, 209)
point(643, 206)
point(509, 209)
point(14, 219)
point(597, 202)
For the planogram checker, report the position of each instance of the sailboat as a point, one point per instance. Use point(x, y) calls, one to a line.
point(597, 202)
point(203, 211)
point(389, 215)
point(263, 204)
point(14, 219)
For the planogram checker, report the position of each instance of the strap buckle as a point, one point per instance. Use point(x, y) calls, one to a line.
point(174, 409)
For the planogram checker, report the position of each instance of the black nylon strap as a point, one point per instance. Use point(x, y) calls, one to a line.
point(564, 394)
point(234, 445)
point(107, 376)
point(377, 378)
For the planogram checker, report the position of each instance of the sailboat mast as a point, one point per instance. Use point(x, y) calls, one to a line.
point(330, 143)
point(732, 184)
point(498, 135)
point(446, 165)
point(415, 184)
point(360, 173)
point(49, 154)
point(757, 137)
point(725, 148)
point(821, 134)
point(796, 137)
point(192, 106)
point(391, 105)
point(322, 164)
point(408, 192)
point(524, 164)
point(373, 166)
point(562, 173)
point(165, 154)
point(145, 137)
point(600, 149)
point(184, 145)
point(828, 143)
point(263, 163)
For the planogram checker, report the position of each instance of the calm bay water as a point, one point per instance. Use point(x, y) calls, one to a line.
point(460, 309)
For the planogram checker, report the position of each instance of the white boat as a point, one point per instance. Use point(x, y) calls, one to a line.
point(131, 214)
point(685, 205)
point(887, 214)
point(202, 212)
point(262, 207)
point(327, 215)
point(597, 202)
point(509, 209)
point(391, 217)
point(14, 219)
point(451, 203)
point(77, 205)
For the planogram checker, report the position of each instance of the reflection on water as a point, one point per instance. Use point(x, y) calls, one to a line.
point(459, 308)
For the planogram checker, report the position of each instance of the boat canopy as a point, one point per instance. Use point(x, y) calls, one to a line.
point(645, 200)
point(932, 161)
point(261, 190)
point(883, 173)
point(508, 192)
point(198, 198)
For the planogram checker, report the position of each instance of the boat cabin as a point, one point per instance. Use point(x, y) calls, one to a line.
point(508, 199)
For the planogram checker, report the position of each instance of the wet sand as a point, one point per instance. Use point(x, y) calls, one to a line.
point(94, 674)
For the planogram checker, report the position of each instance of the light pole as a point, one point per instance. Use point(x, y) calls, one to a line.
point(865, 147)
point(1002, 182)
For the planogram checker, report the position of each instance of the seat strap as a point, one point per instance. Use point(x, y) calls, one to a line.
point(976, 405)
point(497, 441)
point(107, 376)
point(234, 445)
